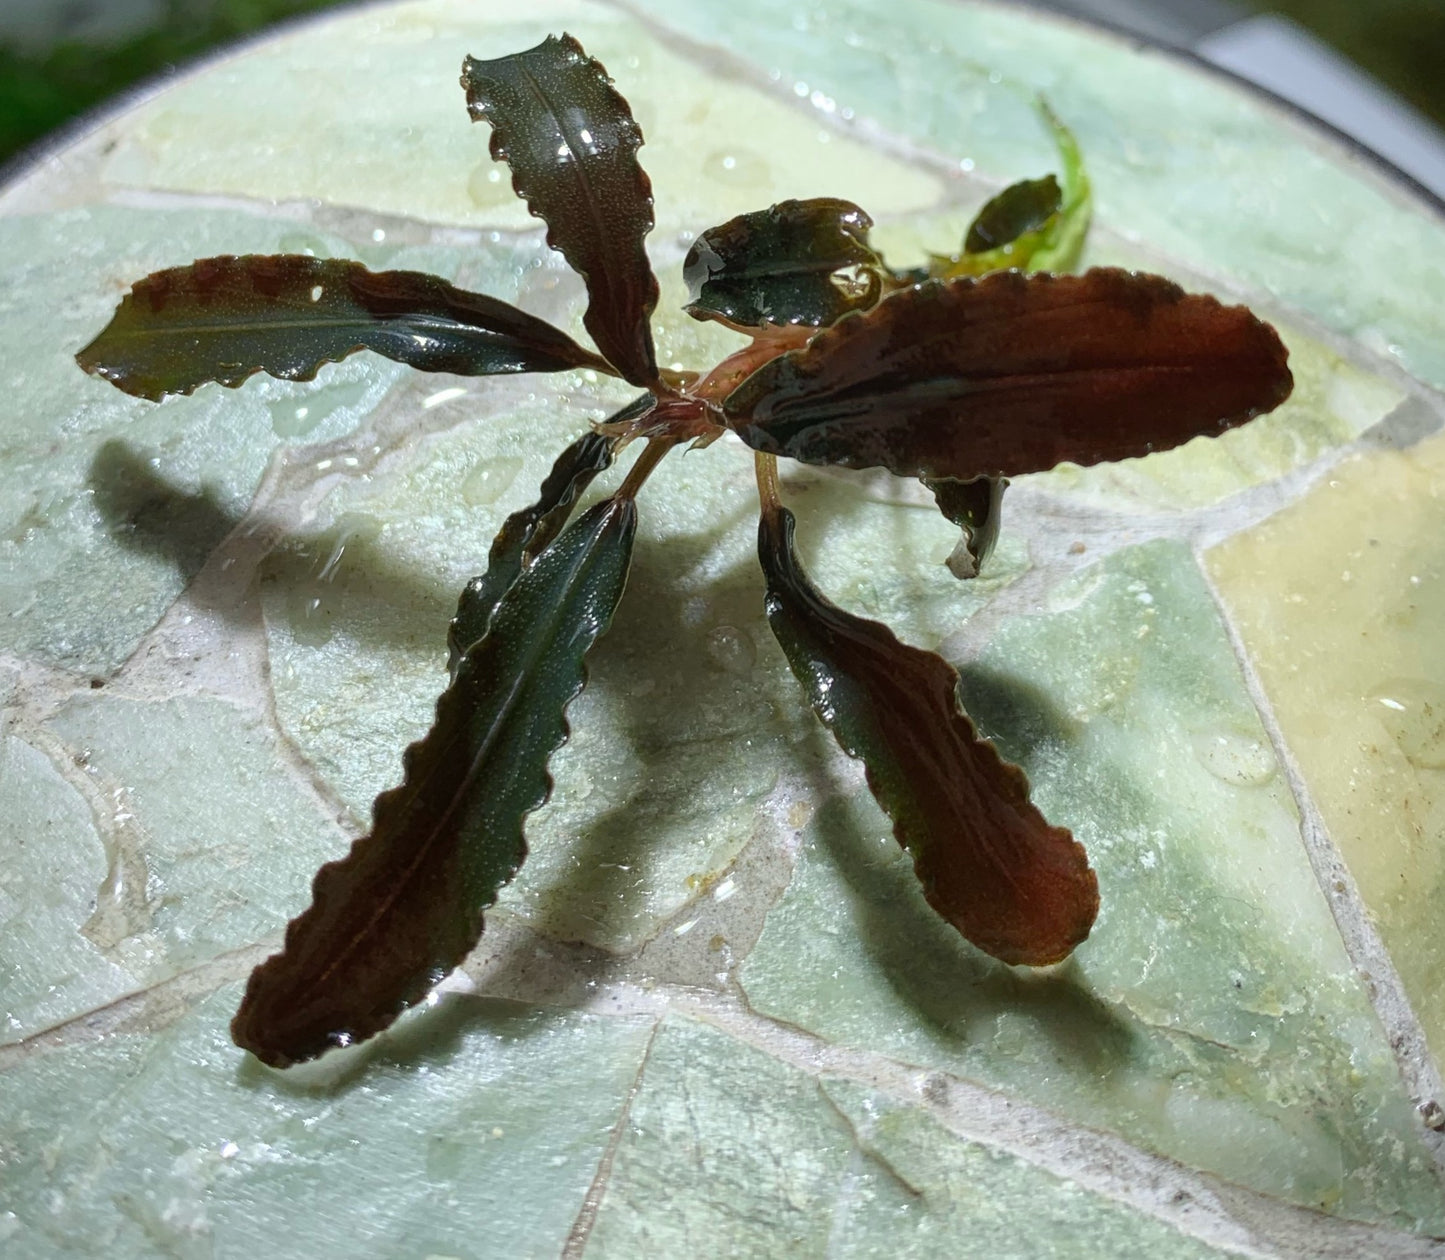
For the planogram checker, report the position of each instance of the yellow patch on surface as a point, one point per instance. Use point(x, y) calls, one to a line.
point(1340, 600)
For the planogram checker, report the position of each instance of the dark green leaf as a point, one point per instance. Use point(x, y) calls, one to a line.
point(798, 262)
point(523, 535)
point(1020, 209)
point(394, 916)
point(1013, 374)
point(225, 319)
point(988, 861)
point(976, 507)
point(572, 145)
point(1026, 237)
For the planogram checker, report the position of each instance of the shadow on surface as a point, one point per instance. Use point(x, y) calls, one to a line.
point(341, 578)
point(426, 1036)
point(346, 577)
point(654, 671)
point(144, 512)
point(956, 989)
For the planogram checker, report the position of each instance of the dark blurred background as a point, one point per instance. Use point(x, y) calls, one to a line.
point(1376, 65)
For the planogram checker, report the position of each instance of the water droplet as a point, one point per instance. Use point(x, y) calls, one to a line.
point(489, 186)
point(1008, 1035)
point(491, 479)
point(737, 168)
point(353, 528)
point(1412, 710)
point(313, 604)
point(122, 907)
point(289, 420)
point(1235, 758)
point(296, 415)
point(732, 649)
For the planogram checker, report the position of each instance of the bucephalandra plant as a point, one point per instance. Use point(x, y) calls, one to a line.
point(959, 373)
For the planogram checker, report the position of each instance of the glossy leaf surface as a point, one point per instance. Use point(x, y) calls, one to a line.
point(225, 319)
point(798, 262)
point(976, 507)
point(523, 535)
point(572, 144)
point(1013, 374)
point(1020, 209)
point(989, 863)
point(392, 918)
point(1029, 225)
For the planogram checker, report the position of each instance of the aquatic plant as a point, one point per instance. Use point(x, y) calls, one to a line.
point(979, 366)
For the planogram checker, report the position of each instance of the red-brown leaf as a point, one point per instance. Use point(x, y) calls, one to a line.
point(989, 863)
point(1013, 374)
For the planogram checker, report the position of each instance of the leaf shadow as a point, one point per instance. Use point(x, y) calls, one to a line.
point(341, 577)
point(657, 721)
point(655, 622)
point(428, 1036)
point(144, 512)
point(958, 991)
point(952, 986)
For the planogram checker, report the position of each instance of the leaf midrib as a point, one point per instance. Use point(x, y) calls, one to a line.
point(373, 321)
point(600, 228)
point(845, 403)
point(503, 713)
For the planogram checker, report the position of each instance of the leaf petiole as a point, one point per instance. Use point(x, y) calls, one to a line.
point(641, 470)
point(766, 467)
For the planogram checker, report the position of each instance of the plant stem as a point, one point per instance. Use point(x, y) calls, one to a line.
point(766, 467)
point(651, 456)
point(765, 346)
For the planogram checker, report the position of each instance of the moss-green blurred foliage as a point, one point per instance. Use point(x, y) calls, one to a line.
point(39, 93)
